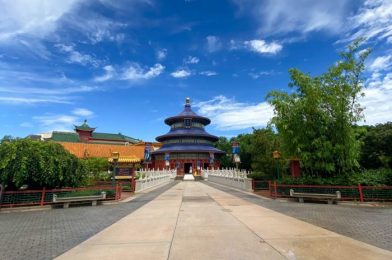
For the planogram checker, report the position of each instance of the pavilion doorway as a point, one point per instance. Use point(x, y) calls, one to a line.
point(187, 168)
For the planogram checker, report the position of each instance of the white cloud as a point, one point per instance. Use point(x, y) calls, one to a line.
point(134, 72)
point(82, 112)
point(77, 57)
point(47, 91)
point(34, 18)
point(57, 122)
point(300, 16)
point(191, 60)
point(208, 73)
point(373, 21)
point(381, 63)
point(228, 114)
point(256, 75)
point(161, 54)
point(257, 45)
point(181, 73)
point(213, 43)
point(260, 46)
point(378, 99)
point(35, 95)
point(109, 74)
point(32, 100)
point(21, 75)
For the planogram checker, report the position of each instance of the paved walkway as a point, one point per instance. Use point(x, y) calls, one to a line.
point(49, 233)
point(372, 225)
point(195, 221)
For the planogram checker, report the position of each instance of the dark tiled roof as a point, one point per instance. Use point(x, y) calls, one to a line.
point(117, 137)
point(65, 137)
point(187, 148)
point(187, 113)
point(183, 132)
point(74, 137)
point(84, 127)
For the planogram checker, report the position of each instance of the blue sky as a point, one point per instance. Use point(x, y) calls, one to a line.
point(126, 65)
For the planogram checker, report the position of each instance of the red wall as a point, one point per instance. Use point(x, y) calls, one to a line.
point(161, 164)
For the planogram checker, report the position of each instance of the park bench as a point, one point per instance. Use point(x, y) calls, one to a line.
point(67, 200)
point(330, 198)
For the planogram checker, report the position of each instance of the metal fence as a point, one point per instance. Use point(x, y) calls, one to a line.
point(354, 193)
point(45, 196)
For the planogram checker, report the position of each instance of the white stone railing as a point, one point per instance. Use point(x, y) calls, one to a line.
point(150, 178)
point(229, 177)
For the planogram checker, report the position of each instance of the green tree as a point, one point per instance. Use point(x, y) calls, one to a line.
point(97, 168)
point(38, 164)
point(376, 150)
point(264, 142)
point(316, 120)
point(224, 144)
point(246, 147)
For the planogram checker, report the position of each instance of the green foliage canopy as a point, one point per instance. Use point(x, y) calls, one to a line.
point(224, 144)
point(315, 120)
point(38, 164)
point(376, 151)
point(97, 169)
point(255, 151)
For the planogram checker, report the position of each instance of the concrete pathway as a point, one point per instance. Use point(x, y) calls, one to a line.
point(196, 221)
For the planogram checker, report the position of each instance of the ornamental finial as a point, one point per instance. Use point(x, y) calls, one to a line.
point(187, 102)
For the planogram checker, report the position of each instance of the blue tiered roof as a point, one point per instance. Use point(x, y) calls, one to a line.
point(187, 133)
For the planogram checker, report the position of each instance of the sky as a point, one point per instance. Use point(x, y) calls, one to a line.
point(127, 65)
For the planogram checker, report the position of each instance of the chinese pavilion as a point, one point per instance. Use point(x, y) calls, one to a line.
point(187, 147)
point(86, 134)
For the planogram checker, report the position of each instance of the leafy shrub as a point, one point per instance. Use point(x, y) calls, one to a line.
point(96, 169)
point(260, 176)
point(372, 177)
point(366, 177)
point(39, 164)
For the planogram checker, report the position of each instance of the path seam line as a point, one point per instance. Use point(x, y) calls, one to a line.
point(175, 227)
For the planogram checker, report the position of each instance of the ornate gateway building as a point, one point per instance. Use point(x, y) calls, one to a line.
point(187, 147)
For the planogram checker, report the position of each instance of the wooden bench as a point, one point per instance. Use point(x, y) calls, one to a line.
point(67, 200)
point(316, 196)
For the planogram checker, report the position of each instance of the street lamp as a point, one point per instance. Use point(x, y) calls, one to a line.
point(276, 156)
point(115, 157)
point(235, 149)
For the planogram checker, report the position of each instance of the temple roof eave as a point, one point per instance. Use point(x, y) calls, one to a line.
point(181, 117)
point(188, 149)
point(174, 136)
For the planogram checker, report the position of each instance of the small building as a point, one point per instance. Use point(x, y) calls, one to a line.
point(86, 143)
point(86, 134)
point(187, 147)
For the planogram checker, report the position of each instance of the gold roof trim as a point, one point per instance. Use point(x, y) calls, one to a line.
point(126, 159)
point(123, 177)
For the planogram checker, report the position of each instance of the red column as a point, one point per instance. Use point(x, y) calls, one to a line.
point(43, 196)
point(360, 193)
point(133, 182)
point(295, 169)
point(270, 188)
point(275, 190)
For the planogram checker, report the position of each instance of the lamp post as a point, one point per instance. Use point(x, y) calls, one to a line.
point(235, 151)
point(115, 157)
point(147, 153)
point(276, 156)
